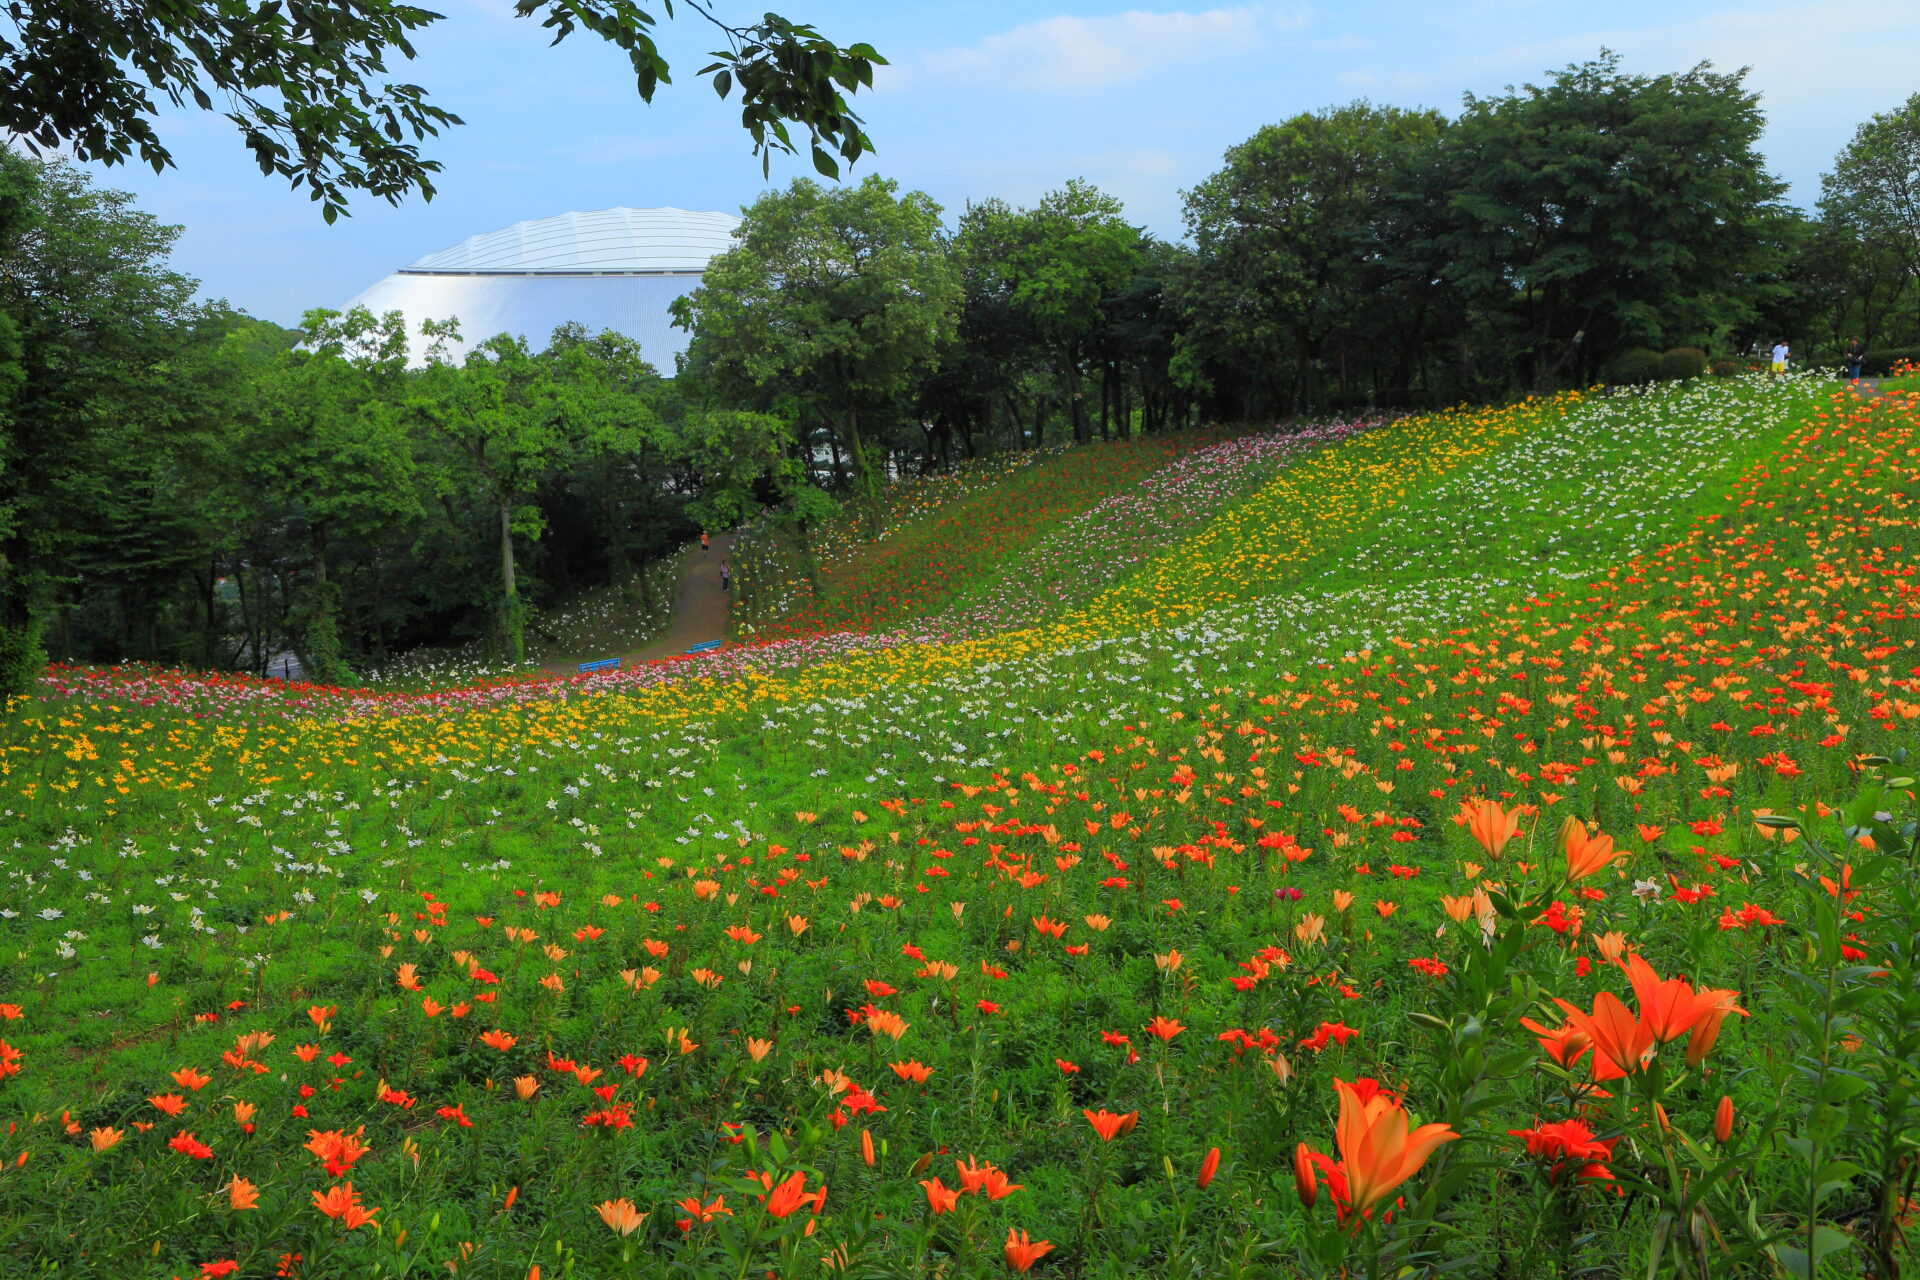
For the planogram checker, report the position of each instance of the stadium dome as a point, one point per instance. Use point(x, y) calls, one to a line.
point(610, 269)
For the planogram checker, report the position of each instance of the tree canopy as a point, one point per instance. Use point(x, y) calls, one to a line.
point(826, 311)
point(306, 82)
point(1875, 183)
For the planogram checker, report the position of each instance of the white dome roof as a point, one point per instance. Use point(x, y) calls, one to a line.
point(644, 241)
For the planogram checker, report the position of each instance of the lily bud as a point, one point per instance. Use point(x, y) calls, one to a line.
point(1303, 1179)
point(1209, 1165)
point(1723, 1119)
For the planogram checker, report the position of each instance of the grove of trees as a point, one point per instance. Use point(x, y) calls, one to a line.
point(183, 483)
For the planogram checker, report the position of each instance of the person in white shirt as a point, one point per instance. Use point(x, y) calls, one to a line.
point(1780, 354)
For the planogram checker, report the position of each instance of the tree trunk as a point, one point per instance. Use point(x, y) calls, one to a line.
point(865, 484)
point(1019, 427)
point(209, 606)
point(1076, 399)
point(1106, 401)
point(512, 628)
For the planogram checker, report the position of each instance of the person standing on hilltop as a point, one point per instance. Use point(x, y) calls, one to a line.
point(1856, 357)
point(1780, 354)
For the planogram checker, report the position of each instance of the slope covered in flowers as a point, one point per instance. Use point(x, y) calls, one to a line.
point(937, 535)
point(1109, 905)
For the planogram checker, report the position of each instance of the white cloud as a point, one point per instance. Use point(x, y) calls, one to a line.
point(1075, 53)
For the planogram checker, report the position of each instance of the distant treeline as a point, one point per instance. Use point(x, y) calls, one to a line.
point(185, 484)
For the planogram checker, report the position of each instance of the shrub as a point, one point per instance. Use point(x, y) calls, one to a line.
point(1724, 366)
point(21, 658)
point(1880, 361)
point(1683, 362)
point(1636, 365)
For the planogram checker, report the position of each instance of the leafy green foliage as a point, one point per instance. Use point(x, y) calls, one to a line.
point(1300, 278)
point(1602, 210)
point(1875, 184)
point(824, 313)
point(305, 82)
point(90, 354)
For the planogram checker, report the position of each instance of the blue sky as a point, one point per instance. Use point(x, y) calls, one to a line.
point(982, 98)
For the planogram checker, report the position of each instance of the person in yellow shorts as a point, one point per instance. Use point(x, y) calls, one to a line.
point(1780, 355)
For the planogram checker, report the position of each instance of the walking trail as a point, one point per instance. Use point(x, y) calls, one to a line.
point(699, 611)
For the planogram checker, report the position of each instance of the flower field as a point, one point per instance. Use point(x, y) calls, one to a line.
point(939, 536)
point(1481, 842)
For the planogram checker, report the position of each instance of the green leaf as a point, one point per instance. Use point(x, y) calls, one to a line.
point(1828, 1241)
point(824, 163)
point(1839, 1088)
point(1792, 1260)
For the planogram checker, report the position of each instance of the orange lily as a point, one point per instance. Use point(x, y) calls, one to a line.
point(189, 1078)
point(336, 1149)
point(340, 1202)
point(620, 1216)
point(1379, 1149)
point(997, 1185)
point(1715, 1006)
point(791, 1194)
point(939, 1198)
point(1622, 1043)
point(1023, 1252)
point(1670, 1008)
point(698, 1212)
point(1109, 1125)
point(1377, 1146)
point(1586, 854)
point(1563, 1044)
point(1490, 825)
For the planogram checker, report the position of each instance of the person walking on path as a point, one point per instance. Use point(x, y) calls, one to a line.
point(726, 577)
point(1856, 358)
point(1780, 354)
point(703, 540)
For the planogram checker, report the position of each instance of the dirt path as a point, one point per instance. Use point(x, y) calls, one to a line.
point(699, 610)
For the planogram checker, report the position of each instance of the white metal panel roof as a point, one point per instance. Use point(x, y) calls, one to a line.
point(532, 306)
point(636, 240)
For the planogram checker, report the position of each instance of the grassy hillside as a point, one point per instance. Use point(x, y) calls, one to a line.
point(1122, 842)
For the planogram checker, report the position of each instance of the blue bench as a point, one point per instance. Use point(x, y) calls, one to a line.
point(603, 664)
point(706, 646)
